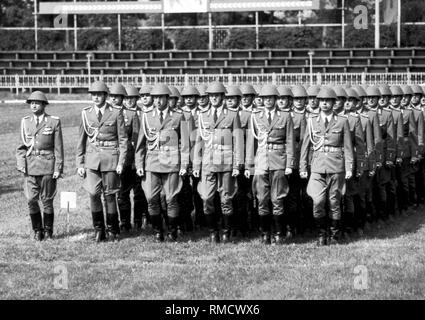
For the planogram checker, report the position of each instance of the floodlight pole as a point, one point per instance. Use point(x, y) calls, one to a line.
point(35, 26)
point(257, 45)
point(89, 56)
point(75, 32)
point(398, 23)
point(377, 20)
point(311, 54)
point(210, 31)
point(343, 24)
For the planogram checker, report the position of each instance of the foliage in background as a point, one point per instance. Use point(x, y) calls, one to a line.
point(190, 39)
point(240, 39)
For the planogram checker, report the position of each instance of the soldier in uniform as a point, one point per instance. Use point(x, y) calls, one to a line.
point(219, 154)
point(101, 155)
point(145, 103)
point(203, 103)
point(312, 101)
point(40, 158)
point(162, 156)
point(258, 101)
point(271, 162)
point(332, 163)
point(174, 98)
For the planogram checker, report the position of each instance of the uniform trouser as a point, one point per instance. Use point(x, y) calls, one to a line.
point(403, 172)
point(352, 193)
point(323, 187)
point(224, 184)
point(295, 206)
point(271, 186)
point(414, 188)
point(197, 201)
point(185, 199)
point(40, 188)
point(243, 203)
point(364, 198)
point(153, 183)
point(419, 179)
point(140, 202)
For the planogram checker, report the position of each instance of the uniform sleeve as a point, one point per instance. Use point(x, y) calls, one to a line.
point(140, 150)
point(197, 150)
point(184, 142)
point(360, 146)
point(21, 154)
point(250, 145)
point(420, 133)
point(59, 155)
point(305, 147)
point(370, 150)
point(348, 148)
point(238, 144)
point(399, 137)
point(390, 140)
point(413, 134)
point(290, 143)
point(122, 138)
point(135, 129)
point(377, 136)
point(81, 145)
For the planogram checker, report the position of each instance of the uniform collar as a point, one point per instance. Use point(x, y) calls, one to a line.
point(40, 118)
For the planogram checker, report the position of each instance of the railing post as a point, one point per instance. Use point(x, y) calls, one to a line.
point(230, 80)
point(186, 79)
point(319, 78)
point(409, 78)
point(58, 83)
point(363, 79)
point(274, 78)
point(143, 79)
point(17, 84)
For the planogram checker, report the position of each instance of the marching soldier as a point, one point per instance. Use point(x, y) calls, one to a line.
point(332, 161)
point(162, 156)
point(40, 158)
point(101, 155)
point(219, 154)
point(271, 163)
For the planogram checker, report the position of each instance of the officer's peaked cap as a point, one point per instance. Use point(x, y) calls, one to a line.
point(174, 92)
point(396, 91)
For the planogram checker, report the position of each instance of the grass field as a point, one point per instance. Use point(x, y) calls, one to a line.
point(391, 260)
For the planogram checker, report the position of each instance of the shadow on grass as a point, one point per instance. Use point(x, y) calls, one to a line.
point(10, 189)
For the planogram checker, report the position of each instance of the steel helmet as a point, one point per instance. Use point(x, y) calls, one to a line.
point(313, 91)
point(340, 91)
point(146, 89)
point(37, 96)
point(174, 92)
point(373, 91)
point(268, 90)
point(257, 89)
point(360, 91)
point(118, 89)
point(417, 89)
point(247, 89)
point(98, 86)
point(326, 93)
point(407, 90)
point(299, 91)
point(160, 90)
point(351, 93)
point(385, 90)
point(284, 91)
point(190, 91)
point(233, 91)
point(216, 87)
point(131, 91)
point(396, 91)
point(202, 89)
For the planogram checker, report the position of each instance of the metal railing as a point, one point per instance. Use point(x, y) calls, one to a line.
point(24, 82)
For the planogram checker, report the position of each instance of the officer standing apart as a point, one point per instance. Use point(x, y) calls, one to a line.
point(332, 161)
point(40, 158)
point(162, 156)
point(101, 154)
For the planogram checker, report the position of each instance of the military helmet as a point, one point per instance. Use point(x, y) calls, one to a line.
point(396, 91)
point(313, 91)
point(98, 86)
point(351, 93)
point(118, 89)
point(174, 92)
point(373, 91)
point(160, 89)
point(299, 91)
point(202, 90)
point(146, 89)
point(257, 88)
point(407, 90)
point(360, 91)
point(417, 89)
point(131, 91)
point(326, 93)
point(247, 89)
point(233, 91)
point(37, 96)
point(216, 87)
point(190, 91)
point(340, 91)
point(284, 91)
point(269, 90)
point(385, 90)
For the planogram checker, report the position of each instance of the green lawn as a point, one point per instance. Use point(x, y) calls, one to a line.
point(137, 268)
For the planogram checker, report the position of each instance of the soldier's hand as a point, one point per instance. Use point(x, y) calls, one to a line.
point(414, 160)
point(288, 171)
point(119, 169)
point(196, 173)
point(348, 175)
point(22, 169)
point(81, 172)
point(247, 174)
point(55, 175)
point(140, 172)
point(389, 163)
point(399, 160)
point(378, 164)
point(182, 172)
point(371, 173)
point(235, 172)
point(303, 175)
point(358, 174)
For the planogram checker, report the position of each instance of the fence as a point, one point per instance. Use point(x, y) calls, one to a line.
point(26, 82)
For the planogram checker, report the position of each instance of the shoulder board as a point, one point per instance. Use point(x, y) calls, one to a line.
point(343, 116)
point(365, 115)
point(396, 110)
point(285, 110)
point(233, 109)
point(278, 112)
point(205, 110)
point(26, 117)
point(87, 108)
point(292, 114)
point(353, 114)
point(256, 111)
point(116, 107)
point(178, 111)
point(149, 110)
point(54, 117)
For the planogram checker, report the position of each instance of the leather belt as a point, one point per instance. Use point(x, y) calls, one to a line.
point(41, 152)
point(330, 149)
point(221, 147)
point(106, 143)
point(275, 146)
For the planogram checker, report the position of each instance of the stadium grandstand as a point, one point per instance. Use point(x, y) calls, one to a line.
point(196, 41)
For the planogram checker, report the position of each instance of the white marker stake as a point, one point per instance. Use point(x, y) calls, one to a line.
point(68, 201)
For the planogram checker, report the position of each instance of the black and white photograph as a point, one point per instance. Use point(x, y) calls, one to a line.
point(207, 156)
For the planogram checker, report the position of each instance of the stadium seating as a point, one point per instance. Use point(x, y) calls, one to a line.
point(213, 62)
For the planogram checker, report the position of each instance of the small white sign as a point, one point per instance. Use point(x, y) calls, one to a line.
point(68, 200)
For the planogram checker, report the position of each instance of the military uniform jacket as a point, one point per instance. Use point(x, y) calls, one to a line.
point(276, 142)
point(357, 140)
point(332, 146)
point(419, 124)
point(300, 122)
point(163, 148)
point(219, 145)
point(41, 148)
point(369, 148)
point(410, 146)
point(130, 122)
point(102, 145)
point(377, 134)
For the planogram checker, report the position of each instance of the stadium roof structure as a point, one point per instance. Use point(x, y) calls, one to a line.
point(174, 6)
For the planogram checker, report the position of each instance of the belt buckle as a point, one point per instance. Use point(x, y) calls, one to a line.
point(326, 148)
point(37, 152)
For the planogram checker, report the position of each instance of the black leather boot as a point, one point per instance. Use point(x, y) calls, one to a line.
point(48, 225)
point(212, 226)
point(172, 229)
point(157, 228)
point(226, 228)
point(37, 226)
point(125, 216)
point(321, 224)
point(278, 226)
point(99, 226)
point(112, 227)
point(335, 232)
point(265, 226)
